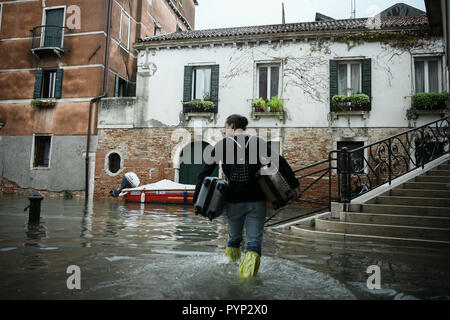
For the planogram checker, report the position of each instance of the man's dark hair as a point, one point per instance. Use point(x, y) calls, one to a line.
point(239, 122)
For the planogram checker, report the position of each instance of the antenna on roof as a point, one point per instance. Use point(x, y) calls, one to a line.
point(353, 9)
point(283, 19)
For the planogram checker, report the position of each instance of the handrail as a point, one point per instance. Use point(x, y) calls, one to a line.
point(352, 173)
point(366, 168)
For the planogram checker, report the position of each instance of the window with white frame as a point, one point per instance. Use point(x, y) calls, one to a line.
point(428, 74)
point(42, 151)
point(349, 77)
point(268, 81)
point(201, 83)
point(48, 84)
point(125, 25)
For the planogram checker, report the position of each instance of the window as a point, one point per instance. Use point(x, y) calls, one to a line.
point(149, 2)
point(349, 78)
point(52, 33)
point(356, 158)
point(125, 25)
point(114, 162)
point(201, 80)
point(42, 151)
point(427, 75)
point(122, 88)
point(48, 84)
point(268, 81)
point(179, 28)
point(1, 16)
point(156, 30)
point(181, 2)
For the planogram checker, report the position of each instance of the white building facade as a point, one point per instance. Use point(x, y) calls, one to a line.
point(304, 65)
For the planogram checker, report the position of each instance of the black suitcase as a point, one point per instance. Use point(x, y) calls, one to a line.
point(211, 198)
point(276, 189)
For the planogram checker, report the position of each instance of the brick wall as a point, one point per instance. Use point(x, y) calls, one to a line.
point(148, 153)
point(12, 188)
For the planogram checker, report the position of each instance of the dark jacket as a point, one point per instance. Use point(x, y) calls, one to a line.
point(233, 147)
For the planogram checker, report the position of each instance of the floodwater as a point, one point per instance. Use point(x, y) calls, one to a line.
point(137, 251)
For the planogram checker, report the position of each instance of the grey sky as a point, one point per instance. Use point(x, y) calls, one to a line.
point(212, 14)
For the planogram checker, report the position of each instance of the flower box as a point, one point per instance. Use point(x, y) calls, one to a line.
point(356, 102)
point(201, 106)
point(429, 101)
point(36, 103)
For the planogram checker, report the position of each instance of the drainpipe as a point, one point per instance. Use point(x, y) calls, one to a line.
point(108, 45)
point(96, 99)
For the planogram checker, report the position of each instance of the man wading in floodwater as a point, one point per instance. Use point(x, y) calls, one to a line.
point(242, 156)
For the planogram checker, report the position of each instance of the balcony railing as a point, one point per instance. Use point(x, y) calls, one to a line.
point(48, 39)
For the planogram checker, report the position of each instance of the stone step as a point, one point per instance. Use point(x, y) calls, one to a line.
point(438, 234)
point(421, 193)
point(439, 179)
point(414, 201)
point(338, 236)
point(395, 219)
point(439, 173)
point(404, 209)
point(426, 185)
point(444, 167)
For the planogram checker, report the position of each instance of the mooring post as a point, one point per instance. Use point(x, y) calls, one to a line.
point(35, 207)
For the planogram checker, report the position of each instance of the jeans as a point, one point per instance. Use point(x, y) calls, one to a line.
point(253, 214)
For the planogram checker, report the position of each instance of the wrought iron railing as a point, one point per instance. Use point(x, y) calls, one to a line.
point(366, 168)
point(47, 36)
point(312, 179)
point(348, 174)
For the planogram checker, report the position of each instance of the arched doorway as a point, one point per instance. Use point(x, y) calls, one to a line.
point(189, 171)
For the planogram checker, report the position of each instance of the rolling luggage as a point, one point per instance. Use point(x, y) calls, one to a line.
point(276, 188)
point(211, 198)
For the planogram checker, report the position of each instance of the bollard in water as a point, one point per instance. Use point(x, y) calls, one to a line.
point(35, 207)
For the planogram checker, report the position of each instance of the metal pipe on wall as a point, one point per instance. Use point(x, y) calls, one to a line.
point(96, 99)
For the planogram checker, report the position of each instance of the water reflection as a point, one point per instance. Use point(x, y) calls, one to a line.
point(134, 250)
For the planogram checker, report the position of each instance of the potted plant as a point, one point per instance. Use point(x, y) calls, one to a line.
point(430, 101)
point(198, 105)
point(275, 104)
point(354, 102)
point(37, 103)
point(260, 105)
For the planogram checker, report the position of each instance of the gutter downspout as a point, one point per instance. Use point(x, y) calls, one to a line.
point(96, 99)
point(108, 45)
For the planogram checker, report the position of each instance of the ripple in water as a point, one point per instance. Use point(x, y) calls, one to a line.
point(196, 275)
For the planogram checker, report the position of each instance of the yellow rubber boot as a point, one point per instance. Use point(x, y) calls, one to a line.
point(250, 264)
point(233, 254)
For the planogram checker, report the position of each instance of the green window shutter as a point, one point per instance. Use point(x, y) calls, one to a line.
point(215, 85)
point(333, 79)
point(38, 84)
point(187, 92)
point(59, 82)
point(367, 78)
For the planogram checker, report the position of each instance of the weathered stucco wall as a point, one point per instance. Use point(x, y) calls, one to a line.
point(16, 162)
point(304, 83)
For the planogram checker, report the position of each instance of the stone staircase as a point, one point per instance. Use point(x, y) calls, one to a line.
point(416, 212)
